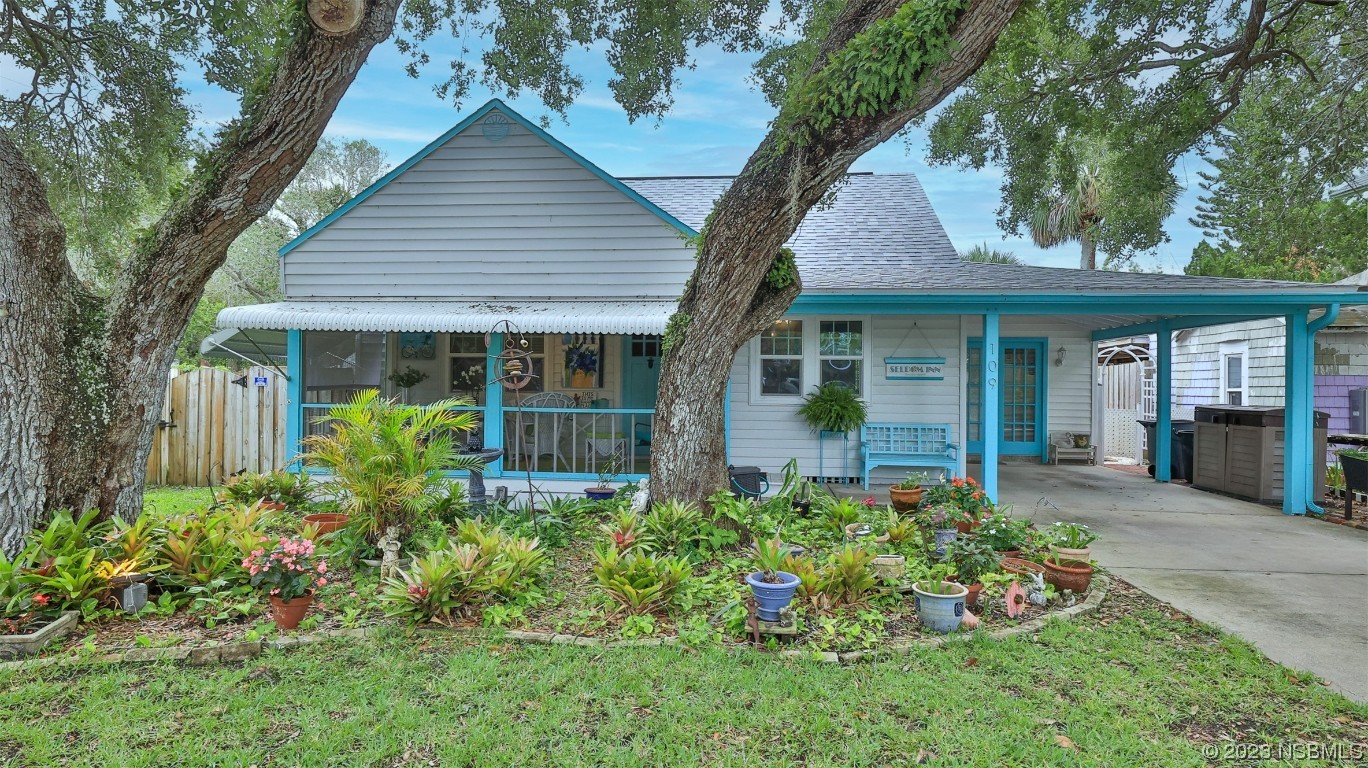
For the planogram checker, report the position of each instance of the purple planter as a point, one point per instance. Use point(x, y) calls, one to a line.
point(770, 599)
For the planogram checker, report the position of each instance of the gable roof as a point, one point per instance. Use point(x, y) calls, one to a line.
point(489, 106)
point(873, 222)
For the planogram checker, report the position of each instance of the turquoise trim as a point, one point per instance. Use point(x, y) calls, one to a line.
point(632, 478)
point(492, 104)
point(1041, 445)
point(493, 409)
point(1242, 305)
point(991, 407)
point(726, 419)
point(1162, 450)
point(1174, 324)
point(1315, 326)
point(294, 394)
point(1297, 413)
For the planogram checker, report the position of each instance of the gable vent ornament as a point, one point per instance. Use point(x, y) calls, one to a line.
point(495, 127)
point(336, 17)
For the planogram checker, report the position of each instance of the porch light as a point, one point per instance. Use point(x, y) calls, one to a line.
point(1059, 357)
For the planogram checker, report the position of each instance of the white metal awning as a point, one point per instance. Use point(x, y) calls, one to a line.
point(263, 347)
point(619, 317)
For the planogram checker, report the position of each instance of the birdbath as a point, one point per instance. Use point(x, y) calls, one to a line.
point(478, 500)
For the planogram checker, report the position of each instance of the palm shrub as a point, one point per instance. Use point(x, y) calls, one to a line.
point(388, 460)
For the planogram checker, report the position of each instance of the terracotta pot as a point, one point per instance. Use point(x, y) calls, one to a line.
point(274, 506)
point(904, 500)
point(1015, 553)
point(1073, 575)
point(967, 526)
point(974, 590)
point(1016, 566)
point(327, 522)
point(288, 613)
point(1063, 553)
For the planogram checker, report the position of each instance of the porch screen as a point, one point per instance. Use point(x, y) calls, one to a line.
point(338, 364)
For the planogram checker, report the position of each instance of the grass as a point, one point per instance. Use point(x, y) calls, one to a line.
point(176, 499)
point(1134, 684)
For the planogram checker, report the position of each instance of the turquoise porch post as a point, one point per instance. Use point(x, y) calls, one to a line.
point(991, 406)
point(493, 410)
point(294, 395)
point(1162, 451)
point(1297, 408)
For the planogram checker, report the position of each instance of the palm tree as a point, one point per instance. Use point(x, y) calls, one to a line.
point(1074, 213)
point(985, 255)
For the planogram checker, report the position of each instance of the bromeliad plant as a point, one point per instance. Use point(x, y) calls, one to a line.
point(388, 460)
point(673, 525)
point(1071, 535)
point(287, 570)
point(636, 581)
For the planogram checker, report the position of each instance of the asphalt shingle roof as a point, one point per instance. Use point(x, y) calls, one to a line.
point(881, 234)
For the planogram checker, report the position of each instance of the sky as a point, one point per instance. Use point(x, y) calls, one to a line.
point(717, 120)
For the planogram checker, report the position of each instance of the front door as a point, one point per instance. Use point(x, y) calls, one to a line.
point(640, 380)
point(1021, 395)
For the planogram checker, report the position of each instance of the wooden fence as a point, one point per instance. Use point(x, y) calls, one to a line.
point(217, 422)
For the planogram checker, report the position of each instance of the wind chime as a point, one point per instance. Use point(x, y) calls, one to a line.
point(513, 371)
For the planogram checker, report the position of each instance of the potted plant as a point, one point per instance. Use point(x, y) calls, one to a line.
point(409, 377)
point(906, 495)
point(1074, 575)
point(289, 573)
point(973, 558)
point(834, 407)
point(940, 601)
point(1070, 540)
point(1006, 535)
point(604, 490)
point(942, 520)
point(29, 621)
point(772, 587)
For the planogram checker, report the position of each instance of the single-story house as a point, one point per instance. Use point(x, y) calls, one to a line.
point(498, 221)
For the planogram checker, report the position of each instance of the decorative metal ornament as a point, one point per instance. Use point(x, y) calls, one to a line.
point(1015, 600)
point(336, 17)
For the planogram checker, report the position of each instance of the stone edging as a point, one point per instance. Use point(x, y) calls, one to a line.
point(240, 651)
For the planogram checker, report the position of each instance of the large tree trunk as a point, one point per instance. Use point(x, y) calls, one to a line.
point(83, 378)
point(728, 301)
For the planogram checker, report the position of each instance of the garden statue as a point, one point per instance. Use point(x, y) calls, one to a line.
point(642, 498)
point(1036, 594)
point(389, 561)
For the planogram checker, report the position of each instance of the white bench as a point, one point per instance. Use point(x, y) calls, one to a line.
point(1062, 447)
point(907, 445)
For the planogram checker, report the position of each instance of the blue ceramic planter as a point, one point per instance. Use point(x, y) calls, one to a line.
point(770, 599)
point(598, 494)
point(944, 537)
point(941, 613)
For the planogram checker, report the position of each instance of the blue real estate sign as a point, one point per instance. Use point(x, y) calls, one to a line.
point(914, 368)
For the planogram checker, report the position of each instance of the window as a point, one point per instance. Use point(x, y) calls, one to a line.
point(793, 357)
point(468, 373)
point(1233, 379)
point(781, 359)
point(840, 348)
point(338, 364)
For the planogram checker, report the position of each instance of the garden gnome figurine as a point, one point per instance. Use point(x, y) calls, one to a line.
point(642, 498)
point(389, 561)
point(1036, 594)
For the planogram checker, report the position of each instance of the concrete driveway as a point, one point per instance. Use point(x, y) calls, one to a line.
point(1296, 588)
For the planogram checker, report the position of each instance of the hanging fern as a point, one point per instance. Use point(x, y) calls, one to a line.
point(834, 407)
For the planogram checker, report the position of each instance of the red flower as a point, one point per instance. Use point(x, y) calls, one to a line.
point(869, 502)
point(41, 599)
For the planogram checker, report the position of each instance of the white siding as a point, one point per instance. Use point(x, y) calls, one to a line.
point(768, 434)
point(514, 219)
point(1197, 364)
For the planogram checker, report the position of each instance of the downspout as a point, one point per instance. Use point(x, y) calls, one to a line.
point(1319, 324)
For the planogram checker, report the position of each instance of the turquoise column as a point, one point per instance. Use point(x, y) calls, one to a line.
point(1297, 408)
point(991, 407)
point(493, 408)
point(294, 395)
point(726, 418)
point(1162, 450)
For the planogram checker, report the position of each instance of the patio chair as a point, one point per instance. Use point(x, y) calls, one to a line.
point(539, 434)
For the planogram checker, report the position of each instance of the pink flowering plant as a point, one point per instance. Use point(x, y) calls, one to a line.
point(286, 568)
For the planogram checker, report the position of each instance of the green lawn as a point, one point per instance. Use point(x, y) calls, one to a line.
point(1133, 685)
point(174, 499)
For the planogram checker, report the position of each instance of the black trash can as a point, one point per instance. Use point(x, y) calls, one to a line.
point(1180, 447)
point(748, 482)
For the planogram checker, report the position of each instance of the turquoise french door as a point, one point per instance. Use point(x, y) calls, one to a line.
point(1021, 396)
